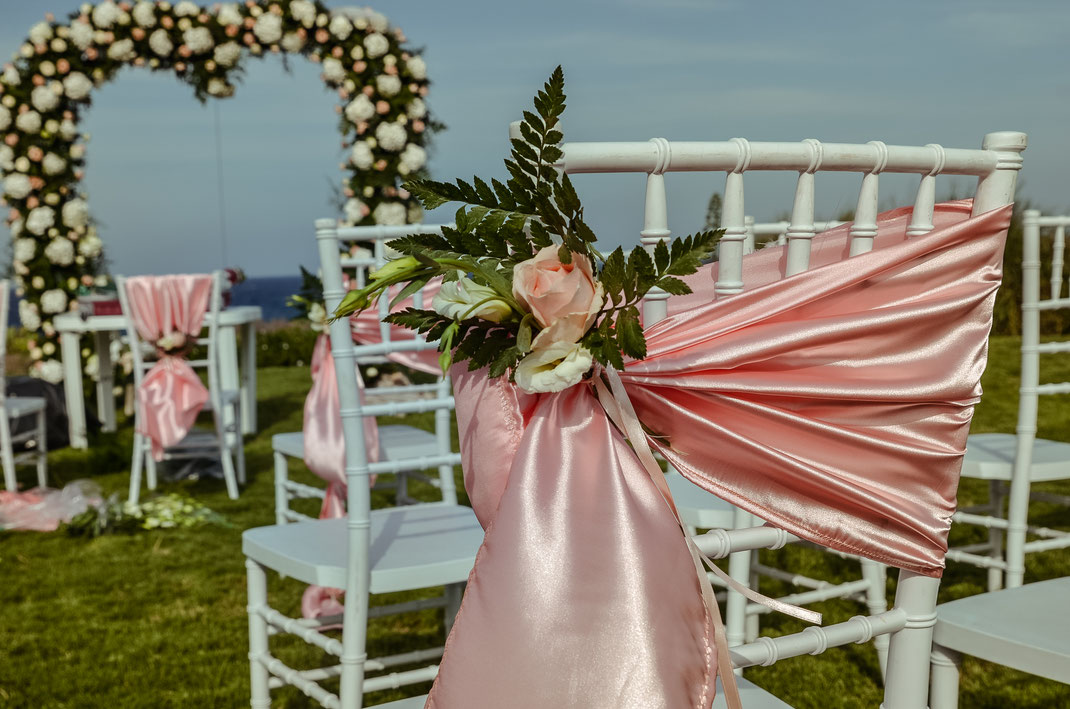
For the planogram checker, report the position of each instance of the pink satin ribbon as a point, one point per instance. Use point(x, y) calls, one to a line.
point(834, 403)
point(171, 394)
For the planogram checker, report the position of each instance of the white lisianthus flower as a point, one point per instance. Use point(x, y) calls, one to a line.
point(376, 45)
point(198, 39)
point(554, 367)
point(389, 213)
point(219, 87)
point(388, 85)
point(317, 315)
point(81, 35)
point(464, 298)
point(227, 55)
point(105, 14)
point(292, 42)
point(417, 68)
point(391, 136)
point(28, 315)
point(90, 246)
point(77, 86)
point(230, 14)
point(160, 43)
point(186, 9)
point(360, 109)
point(340, 27)
point(50, 370)
point(361, 156)
point(75, 213)
point(53, 164)
point(304, 12)
point(53, 301)
point(7, 156)
point(60, 251)
point(268, 28)
point(29, 122)
point(355, 210)
point(17, 186)
point(68, 129)
point(413, 157)
point(24, 249)
point(122, 51)
point(40, 220)
point(5, 118)
point(143, 14)
point(43, 99)
point(333, 70)
point(417, 108)
point(41, 33)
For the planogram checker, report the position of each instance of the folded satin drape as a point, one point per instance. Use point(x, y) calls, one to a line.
point(171, 394)
point(834, 403)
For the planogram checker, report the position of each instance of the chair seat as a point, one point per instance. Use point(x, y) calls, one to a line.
point(1026, 628)
point(197, 441)
point(16, 406)
point(697, 507)
point(752, 696)
point(414, 546)
point(394, 442)
point(990, 456)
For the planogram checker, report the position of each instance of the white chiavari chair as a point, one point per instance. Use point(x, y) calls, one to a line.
point(396, 440)
point(367, 552)
point(761, 233)
point(1020, 459)
point(909, 623)
point(224, 439)
point(13, 408)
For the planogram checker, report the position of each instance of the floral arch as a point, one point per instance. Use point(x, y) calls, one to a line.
point(56, 249)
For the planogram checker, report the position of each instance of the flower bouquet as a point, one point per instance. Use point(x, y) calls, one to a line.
point(525, 291)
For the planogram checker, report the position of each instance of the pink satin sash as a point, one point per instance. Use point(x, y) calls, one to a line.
point(834, 403)
point(171, 394)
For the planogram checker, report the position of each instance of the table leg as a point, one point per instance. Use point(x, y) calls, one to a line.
point(70, 352)
point(228, 368)
point(248, 385)
point(105, 380)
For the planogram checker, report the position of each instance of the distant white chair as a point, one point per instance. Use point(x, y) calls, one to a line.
point(13, 408)
point(758, 233)
point(1021, 459)
point(1026, 628)
point(380, 551)
point(909, 623)
point(396, 441)
point(224, 440)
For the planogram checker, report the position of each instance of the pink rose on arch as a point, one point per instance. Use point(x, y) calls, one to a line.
point(565, 296)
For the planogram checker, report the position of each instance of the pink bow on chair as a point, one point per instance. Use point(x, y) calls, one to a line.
point(171, 394)
point(834, 403)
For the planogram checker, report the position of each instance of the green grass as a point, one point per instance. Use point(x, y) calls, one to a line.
point(157, 619)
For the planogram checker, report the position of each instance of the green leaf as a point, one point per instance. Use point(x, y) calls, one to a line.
point(630, 333)
point(408, 290)
point(673, 286)
point(612, 275)
point(504, 361)
point(642, 266)
point(661, 256)
point(564, 255)
point(523, 335)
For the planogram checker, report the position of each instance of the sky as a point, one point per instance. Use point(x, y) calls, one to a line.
point(906, 72)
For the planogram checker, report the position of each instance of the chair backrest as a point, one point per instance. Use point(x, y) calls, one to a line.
point(759, 232)
point(330, 238)
point(144, 353)
point(996, 166)
point(5, 304)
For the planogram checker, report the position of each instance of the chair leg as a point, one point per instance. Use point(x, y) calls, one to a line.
point(239, 443)
point(752, 624)
point(150, 465)
point(260, 691)
point(944, 673)
point(995, 536)
point(42, 450)
point(877, 602)
point(454, 594)
point(229, 475)
point(736, 605)
point(7, 453)
point(135, 468)
point(282, 500)
point(907, 683)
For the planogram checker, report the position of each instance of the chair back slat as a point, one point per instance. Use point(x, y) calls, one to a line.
point(864, 227)
point(655, 229)
point(730, 249)
point(1058, 246)
point(921, 219)
point(801, 228)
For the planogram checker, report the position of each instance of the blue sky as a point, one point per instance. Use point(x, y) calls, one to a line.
point(844, 71)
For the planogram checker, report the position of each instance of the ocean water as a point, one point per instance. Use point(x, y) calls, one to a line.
point(269, 292)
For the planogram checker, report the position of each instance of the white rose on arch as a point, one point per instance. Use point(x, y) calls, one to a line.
point(24, 249)
point(268, 28)
point(75, 213)
point(333, 71)
point(198, 39)
point(230, 14)
point(340, 27)
point(160, 43)
point(388, 85)
point(53, 164)
point(219, 87)
point(81, 34)
point(355, 210)
point(359, 109)
point(29, 122)
point(7, 157)
point(361, 156)
point(227, 55)
point(77, 85)
point(60, 251)
point(304, 12)
point(376, 45)
point(28, 315)
point(40, 220)
point(122, 51)
point(90, 246)
point(41, 33)
point(186, 9)
point(417, 68)
point(50, 370)
point(417, 108)
point(17, 186)
point(105, 14)
point(389, 213)
point(292, 42)
point(143, 14)
point(53, 301)
point(413, 157)
point(391, 136)
point(5, 117)
point(43, 99)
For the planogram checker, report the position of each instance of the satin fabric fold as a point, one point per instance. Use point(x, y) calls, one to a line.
point(171, 394)
point(834, 403)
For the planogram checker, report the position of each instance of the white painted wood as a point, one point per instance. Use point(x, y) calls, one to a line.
point(225, 440)
point(864, 227)
point(380, 551)
point(921, 219)
point(801, 228)
point(779, 230)
point(13, 408)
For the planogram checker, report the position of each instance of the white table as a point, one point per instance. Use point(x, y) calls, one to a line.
point(71, 327)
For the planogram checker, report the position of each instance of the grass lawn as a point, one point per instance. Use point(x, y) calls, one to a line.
point(157, 619)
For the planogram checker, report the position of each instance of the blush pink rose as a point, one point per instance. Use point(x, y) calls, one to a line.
point(565, 296)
